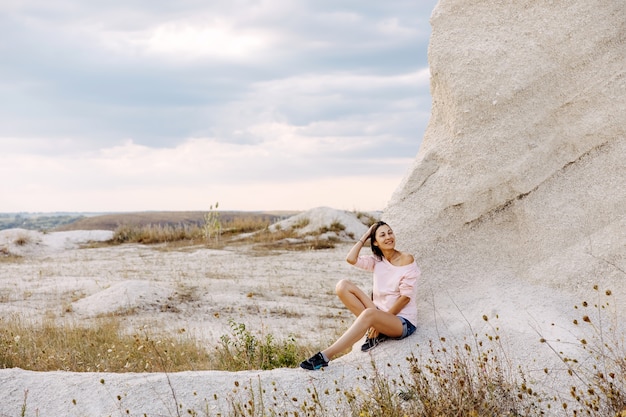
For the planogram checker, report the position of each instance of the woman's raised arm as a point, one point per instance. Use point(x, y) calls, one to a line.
point(353, 255)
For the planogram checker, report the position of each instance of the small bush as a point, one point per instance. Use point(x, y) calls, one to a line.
point(241, 350)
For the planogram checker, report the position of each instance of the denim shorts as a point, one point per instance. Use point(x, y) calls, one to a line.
point(407, 328)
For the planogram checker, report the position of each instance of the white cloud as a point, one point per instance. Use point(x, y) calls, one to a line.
point(358, 100)
point(185, 40)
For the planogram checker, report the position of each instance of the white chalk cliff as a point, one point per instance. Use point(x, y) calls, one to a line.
point(516, 201)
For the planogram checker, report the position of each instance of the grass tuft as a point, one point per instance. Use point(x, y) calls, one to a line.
point(49, 346)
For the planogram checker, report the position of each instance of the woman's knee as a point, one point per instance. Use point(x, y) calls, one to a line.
point(367, 315)
point(344, 286)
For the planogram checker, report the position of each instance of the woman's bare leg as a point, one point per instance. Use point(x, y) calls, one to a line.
point(386, 323)
point(353, 297)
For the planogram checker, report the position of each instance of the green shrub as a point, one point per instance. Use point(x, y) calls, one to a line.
point(241, 350)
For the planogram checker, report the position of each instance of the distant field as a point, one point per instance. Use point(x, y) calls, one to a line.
point(164, 218)
point(77, 221)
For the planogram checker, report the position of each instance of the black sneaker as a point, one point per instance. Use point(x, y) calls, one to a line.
point(372, 342)
point(314, 362)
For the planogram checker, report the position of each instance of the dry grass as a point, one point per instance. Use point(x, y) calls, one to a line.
point(598, 371)
point(469, 378)
point(152, 234)
point(366, 218)
point(238, 231)
point(245, 224)
point(476, 379)
point(49, 346)
point(7, 256)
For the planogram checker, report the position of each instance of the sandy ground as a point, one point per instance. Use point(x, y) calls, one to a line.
point(197, 289)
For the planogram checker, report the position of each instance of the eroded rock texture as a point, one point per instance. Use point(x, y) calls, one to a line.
point(519, 187)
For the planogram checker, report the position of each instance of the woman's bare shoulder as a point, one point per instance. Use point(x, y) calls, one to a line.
point(406, 259)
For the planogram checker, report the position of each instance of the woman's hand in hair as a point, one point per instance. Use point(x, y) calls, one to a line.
point(368, 233)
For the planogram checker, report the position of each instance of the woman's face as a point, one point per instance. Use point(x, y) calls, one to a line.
point(385, 238)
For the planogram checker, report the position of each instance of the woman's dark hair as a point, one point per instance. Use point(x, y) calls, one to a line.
point(375, 249)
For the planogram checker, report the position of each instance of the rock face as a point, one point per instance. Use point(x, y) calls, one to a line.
point(516, 201)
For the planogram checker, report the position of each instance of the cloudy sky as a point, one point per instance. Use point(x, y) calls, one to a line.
point(112, 105)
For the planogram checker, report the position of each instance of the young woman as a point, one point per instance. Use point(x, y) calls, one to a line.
point(392, 311)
